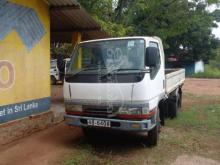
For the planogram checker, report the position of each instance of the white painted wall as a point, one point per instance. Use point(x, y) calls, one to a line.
point(199, 66)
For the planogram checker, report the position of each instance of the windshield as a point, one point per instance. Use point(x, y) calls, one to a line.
point(107, 56)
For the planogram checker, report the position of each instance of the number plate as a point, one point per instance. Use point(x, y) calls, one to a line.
point(99, 123)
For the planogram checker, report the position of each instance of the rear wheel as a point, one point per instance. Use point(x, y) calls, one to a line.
point(162, 112)
point(174, 106)
point(180, 101)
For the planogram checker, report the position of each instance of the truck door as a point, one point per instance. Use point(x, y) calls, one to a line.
point(157, 75)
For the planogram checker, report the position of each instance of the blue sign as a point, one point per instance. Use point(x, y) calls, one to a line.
point(19, 110)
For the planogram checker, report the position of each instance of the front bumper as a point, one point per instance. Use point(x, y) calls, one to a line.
point(118, 124)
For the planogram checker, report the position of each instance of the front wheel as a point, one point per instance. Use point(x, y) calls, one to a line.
point(153, 136)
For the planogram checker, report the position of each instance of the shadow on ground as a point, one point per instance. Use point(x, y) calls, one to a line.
point(108, 141)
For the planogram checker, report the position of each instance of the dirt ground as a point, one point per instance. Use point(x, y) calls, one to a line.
point(202, 87)
point(50, 146)
point(194, 160)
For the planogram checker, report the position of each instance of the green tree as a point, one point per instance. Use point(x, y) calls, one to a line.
point(215, 62)
point(103, 11)
point(184, 26)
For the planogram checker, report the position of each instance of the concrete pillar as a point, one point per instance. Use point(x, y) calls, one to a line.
point(76, 38)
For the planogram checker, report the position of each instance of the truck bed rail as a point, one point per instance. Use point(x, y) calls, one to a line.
point(174, 79)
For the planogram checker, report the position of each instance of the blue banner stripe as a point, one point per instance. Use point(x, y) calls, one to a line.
point(20, 110)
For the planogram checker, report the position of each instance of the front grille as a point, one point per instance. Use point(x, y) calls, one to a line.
point(100, 111)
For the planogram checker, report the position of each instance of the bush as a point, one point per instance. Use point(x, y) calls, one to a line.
point(210, 72)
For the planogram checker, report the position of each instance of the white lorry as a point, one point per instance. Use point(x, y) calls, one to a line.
point(121, 83)
point(55, 74)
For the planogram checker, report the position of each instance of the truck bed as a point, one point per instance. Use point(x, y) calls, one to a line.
point(173, 79)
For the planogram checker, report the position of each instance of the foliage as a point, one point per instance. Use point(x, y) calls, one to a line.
point(184, 26)
point(213, 69)
point(216, 15)
point(63, 49)
point(210, 72)
point(215, 62)
point(103, 12)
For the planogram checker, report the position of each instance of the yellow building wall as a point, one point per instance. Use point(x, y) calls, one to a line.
point(31, 67)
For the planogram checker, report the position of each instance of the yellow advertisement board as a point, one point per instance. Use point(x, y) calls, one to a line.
point(24, 58)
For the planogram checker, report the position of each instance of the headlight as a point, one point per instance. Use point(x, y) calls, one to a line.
point(133, 111)
point(77, 108)
point(145, 110)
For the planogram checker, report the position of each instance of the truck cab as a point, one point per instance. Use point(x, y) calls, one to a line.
point(119, 83)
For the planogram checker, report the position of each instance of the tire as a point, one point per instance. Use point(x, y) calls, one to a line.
point(174, 107)
point(153, 134)
point(53, 80)
point(180, 101)
point(162, 110)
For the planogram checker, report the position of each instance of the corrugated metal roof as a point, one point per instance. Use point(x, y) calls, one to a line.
point(62, 2)
point(68, 16)
point(73, 19)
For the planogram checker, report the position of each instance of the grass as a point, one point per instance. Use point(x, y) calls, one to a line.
point(85, 155)
point(196, 131)
point(202, 118)
point(210, 72)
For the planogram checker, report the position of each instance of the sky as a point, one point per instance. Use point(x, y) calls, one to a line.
point(215, 31)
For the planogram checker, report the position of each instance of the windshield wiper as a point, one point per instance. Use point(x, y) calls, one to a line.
point(140, 70)
point(85, 69)
point(118, 70)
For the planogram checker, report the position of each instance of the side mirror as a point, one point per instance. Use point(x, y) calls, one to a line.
point(151, 56)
